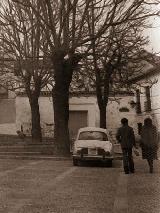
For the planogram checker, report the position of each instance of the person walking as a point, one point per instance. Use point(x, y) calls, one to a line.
point(125, 136)
point(149, 142)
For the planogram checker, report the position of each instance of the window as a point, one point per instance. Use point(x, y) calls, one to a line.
point(93, 135)
point(147, 103)
point(138, 106)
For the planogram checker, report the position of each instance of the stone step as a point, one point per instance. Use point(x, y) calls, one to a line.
point(10, 143)
point(25, 147)
point(19, 153)
point(13, 139)
point(35, 157)
point(43, 149)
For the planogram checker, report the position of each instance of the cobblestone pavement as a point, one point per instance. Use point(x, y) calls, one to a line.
point(143, 189)
point(46, 186)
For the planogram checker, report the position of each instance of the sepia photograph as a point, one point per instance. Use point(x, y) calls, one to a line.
point(79, 106)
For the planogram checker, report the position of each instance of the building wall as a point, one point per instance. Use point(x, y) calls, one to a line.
point(154, 82)
point(155, 100)
point(7, 112)
point(23, 115)
point(89, 104)
point(114, 114)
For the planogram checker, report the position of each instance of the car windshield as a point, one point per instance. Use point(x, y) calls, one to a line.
point(93, 135)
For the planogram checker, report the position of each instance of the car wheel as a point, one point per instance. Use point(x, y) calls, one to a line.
point(75, 162)
point(109, 163)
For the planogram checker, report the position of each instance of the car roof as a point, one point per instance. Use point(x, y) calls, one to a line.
point(92, 129)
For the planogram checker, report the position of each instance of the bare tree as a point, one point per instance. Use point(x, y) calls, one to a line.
point(120, 59)
point(68, 33)
point(117, 58)
point(24, 44)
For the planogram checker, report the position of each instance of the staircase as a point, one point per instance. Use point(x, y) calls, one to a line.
point(11, 146)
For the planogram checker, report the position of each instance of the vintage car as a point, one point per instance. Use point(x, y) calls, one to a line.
point(92, 143)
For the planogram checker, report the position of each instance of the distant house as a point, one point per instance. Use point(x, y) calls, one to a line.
point(83, 112)
point(147, 95)
point(15, 112)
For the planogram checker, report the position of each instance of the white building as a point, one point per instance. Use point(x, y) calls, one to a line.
point(147, 96)
point(15, 110)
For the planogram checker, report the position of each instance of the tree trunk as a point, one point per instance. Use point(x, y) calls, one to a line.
point(100, 100)
point(35, 114)
point(61, 117)
point(102, 104)
point(102, 93)
point(103, 117)
point(63, 70)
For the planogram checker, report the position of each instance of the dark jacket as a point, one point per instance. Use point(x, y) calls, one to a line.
point(125, 136)
point(149, 142)
point(149, 136)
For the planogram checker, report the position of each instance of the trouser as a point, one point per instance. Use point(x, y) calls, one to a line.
point(128, 163)
point(150, 163)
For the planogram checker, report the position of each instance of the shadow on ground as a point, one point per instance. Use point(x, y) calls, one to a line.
point(115, 164)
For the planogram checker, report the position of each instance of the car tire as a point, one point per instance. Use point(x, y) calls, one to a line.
point(75, 162)
point(109, 163)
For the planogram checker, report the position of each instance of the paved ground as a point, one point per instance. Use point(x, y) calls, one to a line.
point(49, 186)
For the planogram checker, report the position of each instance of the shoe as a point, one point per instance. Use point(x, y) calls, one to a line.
point(126, 172)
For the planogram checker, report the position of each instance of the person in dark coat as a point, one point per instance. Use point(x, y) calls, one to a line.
point(149, 142)
point(125, 136)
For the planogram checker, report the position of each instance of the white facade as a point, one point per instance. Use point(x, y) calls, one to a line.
point(8, 114)
point(154, 84)
point(86, 104)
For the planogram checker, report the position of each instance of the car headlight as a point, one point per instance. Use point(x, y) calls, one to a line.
point(78, 150)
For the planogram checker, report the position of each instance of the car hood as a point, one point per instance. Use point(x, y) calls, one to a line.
point(106, 145)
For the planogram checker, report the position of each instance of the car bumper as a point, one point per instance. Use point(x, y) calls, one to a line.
point(92, 157)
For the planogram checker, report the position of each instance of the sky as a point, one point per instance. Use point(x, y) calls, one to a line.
point(154, 32)
point(154, 35)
